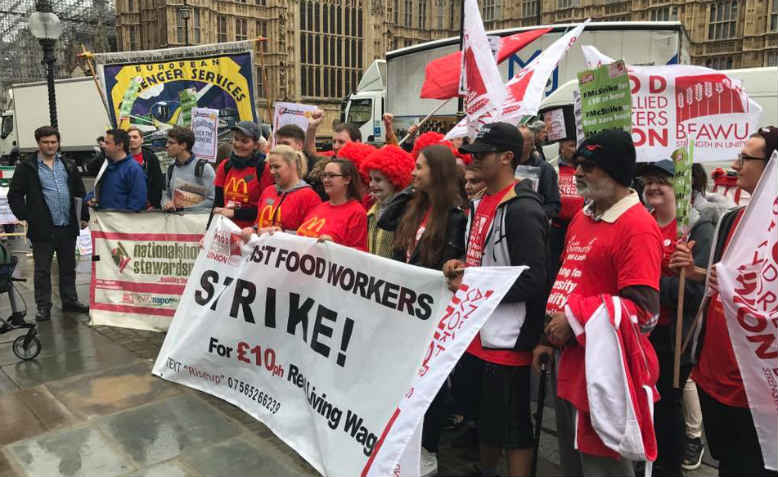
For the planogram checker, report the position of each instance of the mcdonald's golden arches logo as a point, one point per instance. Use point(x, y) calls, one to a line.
point(311, 227)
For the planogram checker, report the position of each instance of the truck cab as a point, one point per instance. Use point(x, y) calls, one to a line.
point(365, 108)
point(8, 144)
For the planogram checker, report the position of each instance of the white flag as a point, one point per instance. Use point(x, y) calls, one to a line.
point(525, 91)
point(672, 103)
point(480, 81)
point(748, 284)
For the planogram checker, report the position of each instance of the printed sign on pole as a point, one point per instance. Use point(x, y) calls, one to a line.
point(605, 98)
point(205, 125)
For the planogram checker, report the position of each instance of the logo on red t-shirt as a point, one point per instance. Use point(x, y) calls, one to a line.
point(312, 227)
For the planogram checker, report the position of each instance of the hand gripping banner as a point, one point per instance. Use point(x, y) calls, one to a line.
point(338, 352)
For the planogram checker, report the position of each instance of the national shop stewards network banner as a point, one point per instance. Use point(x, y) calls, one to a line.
point(339, 352)
point(155, 90)
point(141, 265)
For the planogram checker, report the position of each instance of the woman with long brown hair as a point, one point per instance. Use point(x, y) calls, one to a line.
point(430, 232)
point(432, 229)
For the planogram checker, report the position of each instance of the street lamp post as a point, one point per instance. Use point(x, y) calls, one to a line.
point(46, 27)
point(184, 11)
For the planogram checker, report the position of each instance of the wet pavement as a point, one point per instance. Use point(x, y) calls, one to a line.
point(88, 405)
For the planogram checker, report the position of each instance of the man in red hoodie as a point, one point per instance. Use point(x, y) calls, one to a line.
point(613, 249)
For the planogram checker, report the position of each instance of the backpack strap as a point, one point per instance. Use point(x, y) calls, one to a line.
point(200, 167)
point(169, 173)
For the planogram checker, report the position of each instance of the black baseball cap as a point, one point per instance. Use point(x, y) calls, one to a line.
point(495, 137)
point(665, 167)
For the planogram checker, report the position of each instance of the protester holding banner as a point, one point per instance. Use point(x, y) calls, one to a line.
point(285, 204)
point(189, 181)
point(389, 170)
point(150, 163)
point(729, 426)
point(46, 191)
point(241, 179)
point(341, 219)
point(122, 185)
point(506, 227)
point(429, 232)
point(660, 198)
point(610, 269)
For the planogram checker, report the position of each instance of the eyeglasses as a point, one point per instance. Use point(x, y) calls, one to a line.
point(329, 175)
point(745, 157)
point(586, 165)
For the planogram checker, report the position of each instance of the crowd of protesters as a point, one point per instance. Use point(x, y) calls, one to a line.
point(583, 232)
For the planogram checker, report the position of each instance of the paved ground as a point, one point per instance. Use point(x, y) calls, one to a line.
point(88, 405)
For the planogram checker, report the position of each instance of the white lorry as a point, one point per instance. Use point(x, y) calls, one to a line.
point(393, 85)
point(81, 118)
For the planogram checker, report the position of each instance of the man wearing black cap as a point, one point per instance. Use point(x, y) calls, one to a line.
point(612, 253)
point(729, 427)
point(189, 181)
point(506, 227)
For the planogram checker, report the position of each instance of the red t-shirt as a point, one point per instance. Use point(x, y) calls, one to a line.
point(241, 187)
point(717, 372)
point(571, 201)
point(345, 223)
point(602, 258)
point(669, 238)
point(479, 229)
point(138, 158)
point(287, 209)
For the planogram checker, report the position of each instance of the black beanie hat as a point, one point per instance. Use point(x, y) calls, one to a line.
point(611, 150)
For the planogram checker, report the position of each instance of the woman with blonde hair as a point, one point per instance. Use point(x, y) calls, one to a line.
point(284, 205)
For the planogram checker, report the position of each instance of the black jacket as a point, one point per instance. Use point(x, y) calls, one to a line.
point(154, 180)
point(455, 231)
point(25, 197)
point(518, 236)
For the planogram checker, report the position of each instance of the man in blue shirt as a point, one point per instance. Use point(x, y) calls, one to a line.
point(122, 186)
point(43, 192)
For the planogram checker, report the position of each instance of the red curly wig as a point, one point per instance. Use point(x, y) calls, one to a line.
point(393, 162)
point(429, 138)
point(357, 152)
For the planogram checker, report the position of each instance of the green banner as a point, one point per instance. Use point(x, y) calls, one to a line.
point(683, 158)
point(606, 101)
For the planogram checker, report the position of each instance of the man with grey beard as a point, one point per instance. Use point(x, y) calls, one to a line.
point(613, 249)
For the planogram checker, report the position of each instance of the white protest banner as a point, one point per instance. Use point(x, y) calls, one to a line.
point(480, 81)
point(526, 89)
point(205, 125)
point(319, 341)
point(748, 283)
point(292, 113)
point(671, 103)
point(138, 277)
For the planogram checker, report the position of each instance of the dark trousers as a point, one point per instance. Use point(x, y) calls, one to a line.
point(433, 420)
point(668, 416)
point(64, 243)
point(732, 438)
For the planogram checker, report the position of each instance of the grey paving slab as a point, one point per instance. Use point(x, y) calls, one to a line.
point(170, 468)
point(238, 457)
point(161, 431)
point(111, 391)
point(5, 466)
point(64, 365)
point(29, 412)
point(6, 384)
point(82, 452)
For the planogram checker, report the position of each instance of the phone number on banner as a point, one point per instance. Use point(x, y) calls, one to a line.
point(254, 393)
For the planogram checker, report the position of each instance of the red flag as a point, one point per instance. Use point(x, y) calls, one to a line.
point(441, 79)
